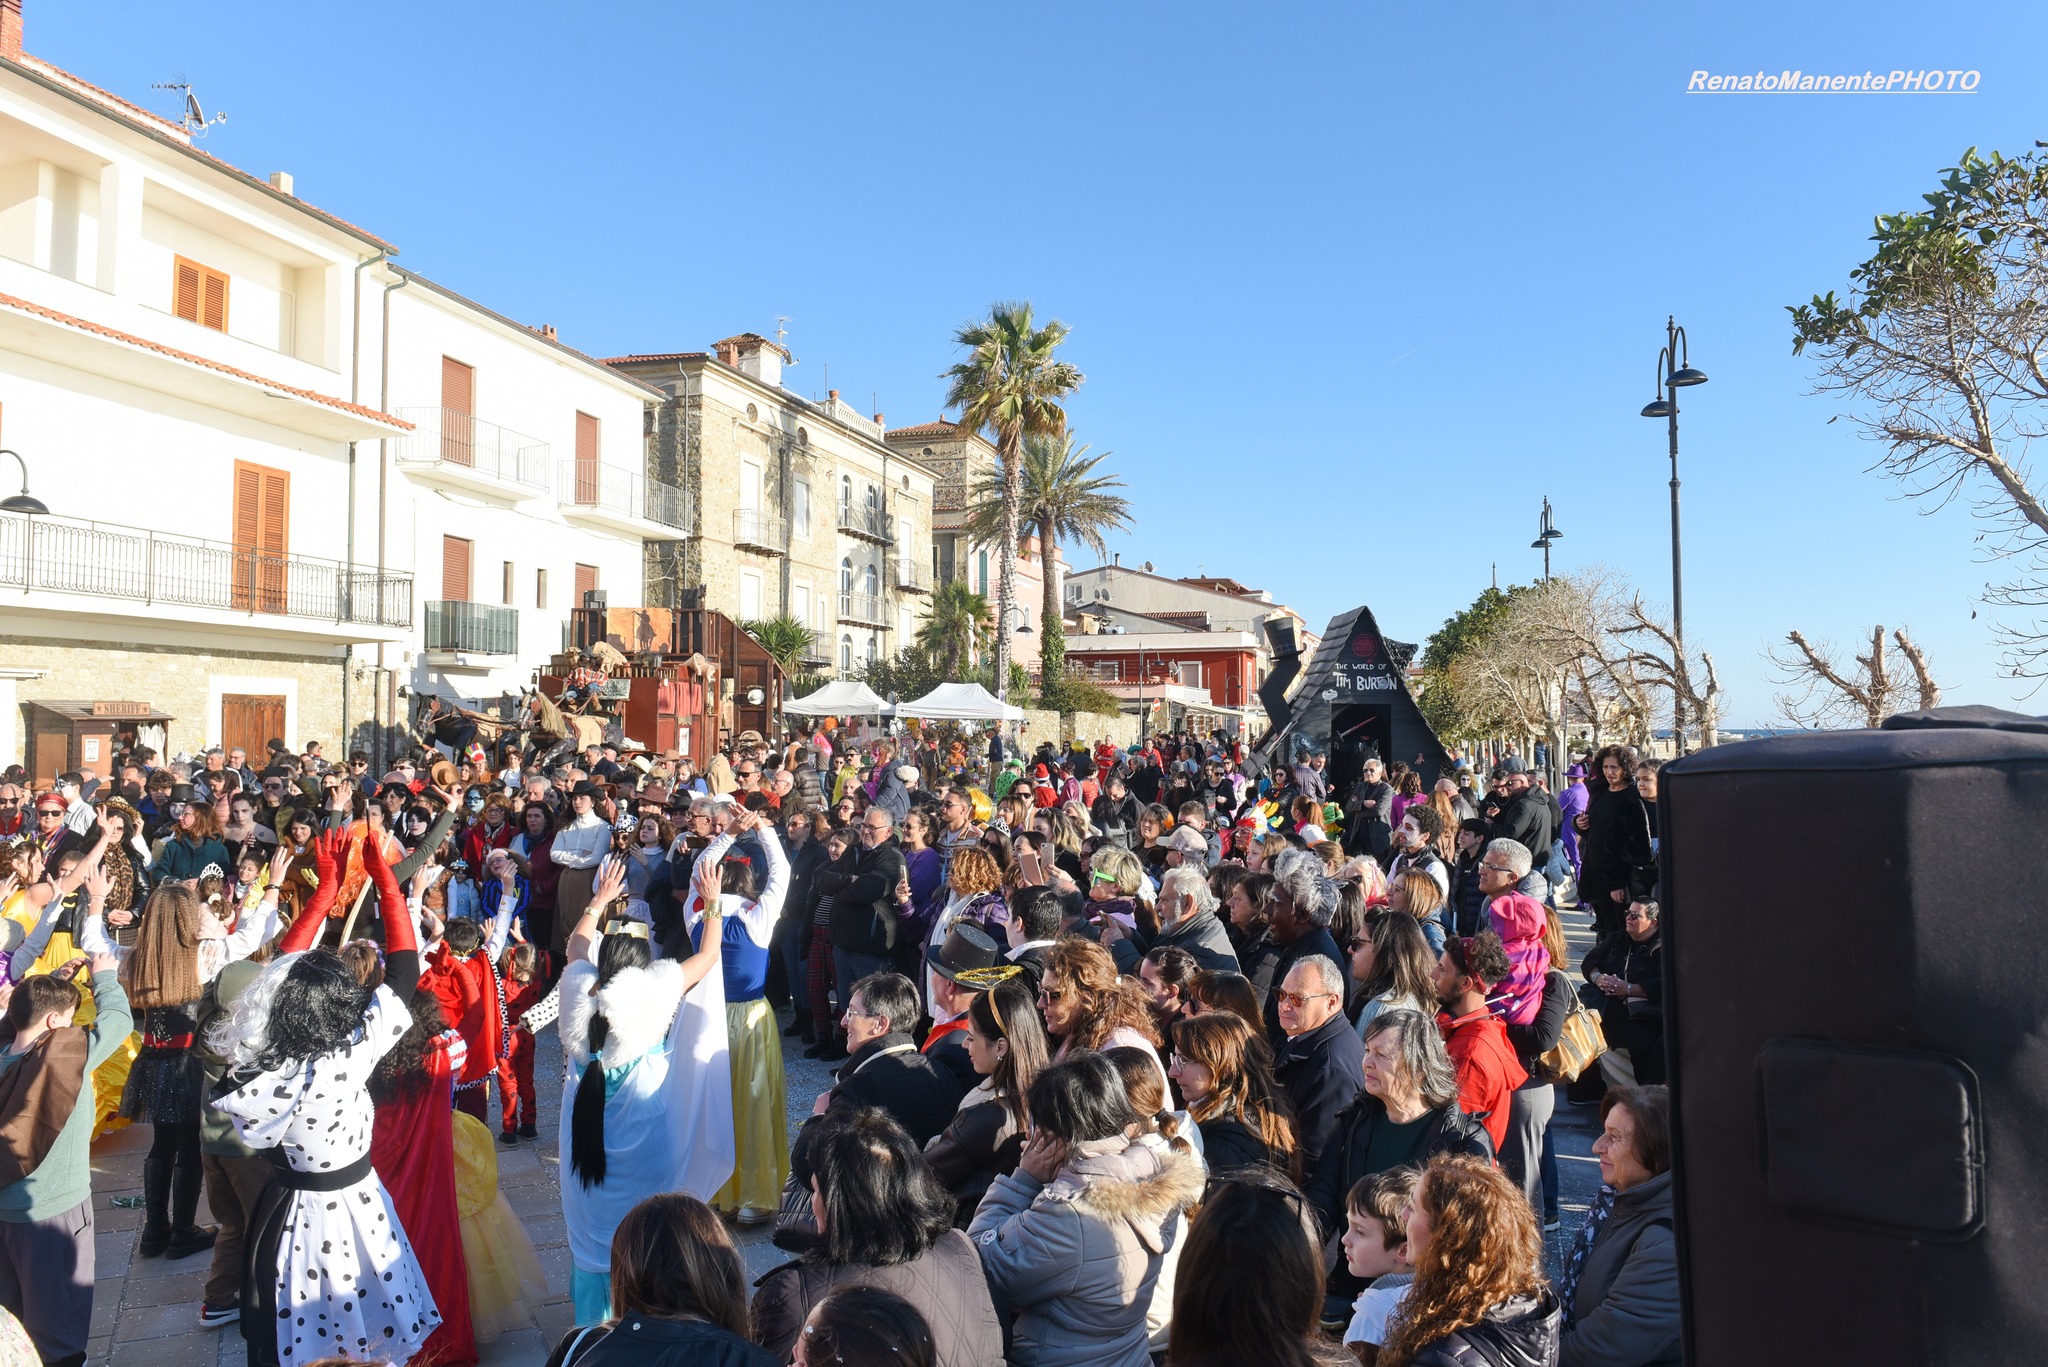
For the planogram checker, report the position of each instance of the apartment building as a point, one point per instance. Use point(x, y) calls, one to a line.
point(805, 509)
point(178, 389)
point(962, 461)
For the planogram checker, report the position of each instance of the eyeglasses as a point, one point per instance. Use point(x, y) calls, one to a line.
point(1497, 868)
point(1297, 1000)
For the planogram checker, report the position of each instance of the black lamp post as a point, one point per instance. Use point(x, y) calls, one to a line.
point(1674, 372)
point(22, 502)
point(1546, 532)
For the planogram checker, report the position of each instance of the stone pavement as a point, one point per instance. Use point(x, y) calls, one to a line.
point(145, 1310)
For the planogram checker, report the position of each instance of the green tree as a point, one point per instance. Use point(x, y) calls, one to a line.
point(1939, 348)
point(784, 637)
point(1456, 710)
point(958, 628)
point(1010, 385)
point(1061, 497)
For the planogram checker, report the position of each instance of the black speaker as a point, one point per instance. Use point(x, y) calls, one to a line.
point(1856, 1018)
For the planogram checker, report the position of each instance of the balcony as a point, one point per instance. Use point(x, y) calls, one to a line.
point(754, 530)
point(909, 575)
point(186, 579)
point(818, 651)
point(621, 500)
point(863, 609)
point(459, 451)
point(466, 628)
point(869, 524)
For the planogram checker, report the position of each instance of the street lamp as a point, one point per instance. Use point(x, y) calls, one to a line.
point(22, 502)
point(1546, 532)
point(1674, 372)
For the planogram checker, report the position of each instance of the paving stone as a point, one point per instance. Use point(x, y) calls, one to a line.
point(178, 1287)
point(137, 1322)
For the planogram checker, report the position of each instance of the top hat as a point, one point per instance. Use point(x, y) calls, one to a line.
point(969, 958)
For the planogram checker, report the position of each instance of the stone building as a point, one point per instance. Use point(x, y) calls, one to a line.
point(803, 508)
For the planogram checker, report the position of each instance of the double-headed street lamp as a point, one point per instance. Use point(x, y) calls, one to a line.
point(1674, 372)
point(1546, 532)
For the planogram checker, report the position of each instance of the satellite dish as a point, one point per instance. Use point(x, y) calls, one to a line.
point(193, 117)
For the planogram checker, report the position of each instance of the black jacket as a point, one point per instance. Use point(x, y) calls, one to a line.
point(1614, 850)
point(1117, 821)
point(1525, 819)
point(1321, 1073)
point(1369, 832)
point(1641, 964)
point(1467, 903)
point(920, 1096)
point(1317, 941)
point(946, 1286)
point(644, 1341)
point(863, 883)
point(1257, 959)
point(973, 1151)
point(1342, 1161)
point(1204, 936)
point(1516, 1333)
point(1230, 1145)
point(1540, 1036)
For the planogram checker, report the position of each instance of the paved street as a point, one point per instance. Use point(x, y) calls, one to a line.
point(146, 1309)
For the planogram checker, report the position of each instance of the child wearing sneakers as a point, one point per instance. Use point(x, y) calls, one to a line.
point(1376, 1248)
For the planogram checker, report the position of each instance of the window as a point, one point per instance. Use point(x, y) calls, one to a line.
point(870, 581)
point(540, 588)
point(586, 583)
point(800, 602)
point(588, 480)
point(458, 406)
point(846, 654)
point(845, 491)
point(750, 596)
point(983, 589)
point(505, 594)
point(846, 575)
point(199, 294)
point(455, 561)
point(800, 509)
point(262, 517)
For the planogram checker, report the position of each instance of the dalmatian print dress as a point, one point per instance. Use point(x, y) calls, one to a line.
point(347, 1280)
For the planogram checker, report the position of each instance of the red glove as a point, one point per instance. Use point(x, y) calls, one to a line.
point(330, 856)
point(399, 933)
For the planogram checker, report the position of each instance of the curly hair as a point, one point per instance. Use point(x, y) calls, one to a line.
point(975, 871)
point(403, 1070)
point(1106, 1001)
point(1484, 1248)
point(301, 1006)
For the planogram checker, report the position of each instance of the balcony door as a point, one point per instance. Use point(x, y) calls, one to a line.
point(457, 557)
point(589, 483)
point(262, 515)
point(458, 412)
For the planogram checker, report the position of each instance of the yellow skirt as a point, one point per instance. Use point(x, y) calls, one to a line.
point(505, 1278)
point(760, 1126)
point(108, 1081)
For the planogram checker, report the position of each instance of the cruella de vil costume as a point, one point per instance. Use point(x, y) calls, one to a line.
point(305, 1037)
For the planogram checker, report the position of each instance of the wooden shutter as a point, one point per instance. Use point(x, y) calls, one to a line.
point(458, 405)
point(455, 569)
point(586, 581)
point(588, 481)
point(199, 293)
point(251, 721)
point(506, 593)
point(262, 522)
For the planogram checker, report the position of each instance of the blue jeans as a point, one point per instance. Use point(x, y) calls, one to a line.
point(796, 938)
point(849, 966)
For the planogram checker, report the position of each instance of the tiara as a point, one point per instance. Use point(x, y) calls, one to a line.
point(636, 930)
point(212, 871)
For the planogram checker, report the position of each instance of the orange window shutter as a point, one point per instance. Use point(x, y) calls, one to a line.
point(213, 301)
point(185, 277)
point(455, 569)
point(586, 581)
point(248, 506)
point(277, 497)
point(458, 386)
point(586, 438)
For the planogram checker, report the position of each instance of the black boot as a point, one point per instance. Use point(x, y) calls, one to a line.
point(187, 1237)
point(156, 1207)
point(800, 1024)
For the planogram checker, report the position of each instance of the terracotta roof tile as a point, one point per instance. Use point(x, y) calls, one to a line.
point(927, 429)
point(101, 330)
point(656, 356)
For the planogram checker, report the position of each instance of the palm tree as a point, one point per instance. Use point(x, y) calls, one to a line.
point(959, 622)
point(1010, 385)
point(1063, 499)
point(785, 638)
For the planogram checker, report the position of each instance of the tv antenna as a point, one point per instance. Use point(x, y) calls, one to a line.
point(193, 117)
point(782, 331)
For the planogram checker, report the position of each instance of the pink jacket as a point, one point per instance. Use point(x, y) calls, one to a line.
point(1518, 919)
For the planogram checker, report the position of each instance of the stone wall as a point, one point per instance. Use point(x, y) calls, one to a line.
point(187, 684)
point(1042, 724)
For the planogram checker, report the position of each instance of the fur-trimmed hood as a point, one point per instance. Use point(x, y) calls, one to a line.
point(1141, 1183)
point(639, 1007)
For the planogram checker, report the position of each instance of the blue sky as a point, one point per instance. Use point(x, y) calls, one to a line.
point(1354, 286)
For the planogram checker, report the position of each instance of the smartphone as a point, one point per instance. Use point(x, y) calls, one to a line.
point(1027, 865)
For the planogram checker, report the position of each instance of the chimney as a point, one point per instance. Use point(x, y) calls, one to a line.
point(831, 396)
point(547, 330)
point(280, 181)
point(10, 29)
point(878, 423)
point(727, 351)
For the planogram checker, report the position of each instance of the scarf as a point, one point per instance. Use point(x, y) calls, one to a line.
point(37, 1096)
point(1575, 1261)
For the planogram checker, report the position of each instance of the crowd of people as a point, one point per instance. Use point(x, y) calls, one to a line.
point(1161, 1054)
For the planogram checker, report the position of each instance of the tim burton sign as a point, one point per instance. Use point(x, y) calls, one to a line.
point(1364, 667)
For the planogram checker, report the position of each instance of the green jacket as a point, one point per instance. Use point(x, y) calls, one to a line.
point(64, 1179)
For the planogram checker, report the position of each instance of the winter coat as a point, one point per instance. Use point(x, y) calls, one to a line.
point(1521, 1332)
point(863, 885)
point(1614, 852)
point(644, 1341)
point(982, 1144)
point(1320, 1072)
point(1342, 1161)
point(1078, 1258)
point(1229, 1145)
point(945, 1285)
point(1625, 1306)
point(890, 794)
point(1369, 832)
point(1257, 959)
point(889, 1072)
point(1204, 936)
point(1520, 923)
point(1525, 819)
point(807, 790)
point(1116, 822)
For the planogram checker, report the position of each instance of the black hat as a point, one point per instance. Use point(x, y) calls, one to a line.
point(969, 958)
point(587, 789)
point(181, 792)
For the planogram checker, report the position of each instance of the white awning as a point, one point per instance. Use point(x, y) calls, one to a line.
point(960, 702)
point(840, 698)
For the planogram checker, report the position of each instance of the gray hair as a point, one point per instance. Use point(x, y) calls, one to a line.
point(1514, 856)
point(703, 806)
point(1192, 887)
point(1325, 971)
point(1308, 885)
point(1423, 1056)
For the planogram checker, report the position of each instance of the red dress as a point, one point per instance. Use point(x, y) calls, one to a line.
point(412, 1147)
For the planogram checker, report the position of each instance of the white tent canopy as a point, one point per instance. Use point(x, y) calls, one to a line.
point(960, 702)
point(840, 698)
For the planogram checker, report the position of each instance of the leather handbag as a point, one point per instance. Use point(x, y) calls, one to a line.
point(1578, 1044)
point(796, 1231)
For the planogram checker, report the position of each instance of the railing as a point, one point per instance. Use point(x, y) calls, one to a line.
point(587, 484)
point(862, 607)
point(858, 519)
point(107, 561)
point(819, 649)
point(759, 531)
point(484, 628)
point(453, 439)
point(908, 574)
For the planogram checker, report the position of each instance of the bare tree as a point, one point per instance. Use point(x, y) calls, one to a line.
point(1822, 693)
point(1659, 663)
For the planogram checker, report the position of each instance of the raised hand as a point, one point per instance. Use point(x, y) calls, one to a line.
point(611, 881)
point(97, 884)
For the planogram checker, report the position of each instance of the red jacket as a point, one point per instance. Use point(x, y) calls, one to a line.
point(1488, 1070)
point(468, 992)
point(480, 841)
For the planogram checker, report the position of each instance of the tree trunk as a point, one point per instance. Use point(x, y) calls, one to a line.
point(1011, 454)
point(1050, 611)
